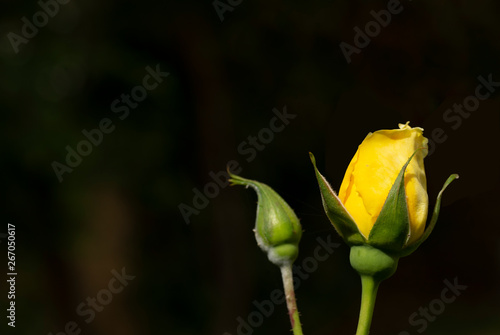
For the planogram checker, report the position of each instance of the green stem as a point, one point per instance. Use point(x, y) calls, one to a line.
point(291, 303)
point(368, 296)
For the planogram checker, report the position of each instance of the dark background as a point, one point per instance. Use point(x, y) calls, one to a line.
point(120, 206)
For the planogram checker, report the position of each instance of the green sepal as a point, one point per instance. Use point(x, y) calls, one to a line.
point(340, 218)
point(437, 207)
point(391, 230)
point(277, 228)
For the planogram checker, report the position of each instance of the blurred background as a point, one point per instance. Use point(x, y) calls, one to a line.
point(180, 89)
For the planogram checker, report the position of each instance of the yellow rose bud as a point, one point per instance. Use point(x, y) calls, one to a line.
point(383, 200)
point(382, 206)
point(373, 170)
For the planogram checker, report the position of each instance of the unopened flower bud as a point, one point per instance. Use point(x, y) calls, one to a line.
point(277, 228)
point(383, 198)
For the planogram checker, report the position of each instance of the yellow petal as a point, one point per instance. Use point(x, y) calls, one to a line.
point(348, 182)
point(349, 196)
point(374, 169)
point(355, 206)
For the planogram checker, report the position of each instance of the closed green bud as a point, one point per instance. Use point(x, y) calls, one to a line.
point(277, 228)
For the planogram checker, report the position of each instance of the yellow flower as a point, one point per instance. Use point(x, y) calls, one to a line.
point(373, 170)
point(381, 209)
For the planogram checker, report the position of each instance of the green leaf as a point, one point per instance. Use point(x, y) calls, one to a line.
point(390, 231)
point(340, 218)
point(437, 207)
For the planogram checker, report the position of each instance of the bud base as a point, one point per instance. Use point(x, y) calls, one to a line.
point(369, 261)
